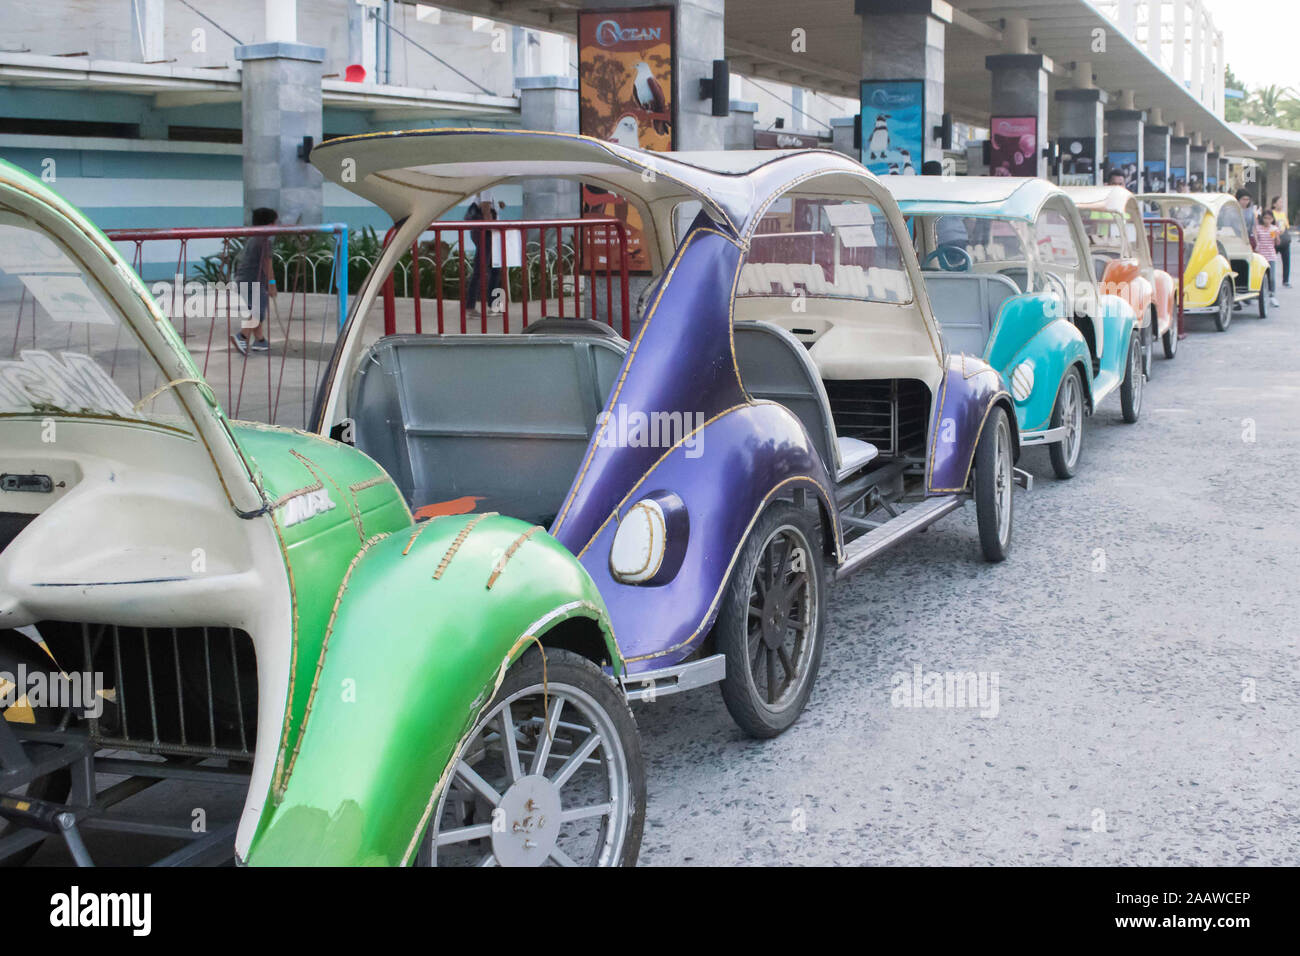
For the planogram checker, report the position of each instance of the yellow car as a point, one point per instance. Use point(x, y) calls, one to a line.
point(1220, 268)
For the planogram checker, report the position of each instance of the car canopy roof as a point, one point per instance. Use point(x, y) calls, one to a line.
point(992, 197)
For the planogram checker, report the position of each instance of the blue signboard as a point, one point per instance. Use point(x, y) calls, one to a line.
point(1154, 174)
point(893, 126)
point(1177, 178)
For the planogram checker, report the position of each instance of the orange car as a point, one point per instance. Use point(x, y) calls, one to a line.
point(1121, 257)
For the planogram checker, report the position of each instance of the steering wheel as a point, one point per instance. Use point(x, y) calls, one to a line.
point(951, 259)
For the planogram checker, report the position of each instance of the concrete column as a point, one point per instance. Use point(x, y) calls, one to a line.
point(281, 106)
point(1211, 171)
point(1197, 65)
point(1153, 29)
point(906, 40)
point(1020, 89)
point(549, 103)
point(147, 29)
point(740, 125)
point(1220, 73)
point(1178, 162)
point(1081, 132)
point(1124, 134)
point(1196, 168)
point(1155, 158)
point(842, 135)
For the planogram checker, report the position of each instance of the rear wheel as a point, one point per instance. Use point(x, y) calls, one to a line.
point(1068, 414)
point(1147, 337)
point(1170, 338)
point(1263, 302)
point(994, 481)
point(770, 623)
point(1223, 308)
point(1130, 390)
point(552, 774)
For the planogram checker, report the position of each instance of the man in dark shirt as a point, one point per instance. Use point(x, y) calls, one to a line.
point(254, 277)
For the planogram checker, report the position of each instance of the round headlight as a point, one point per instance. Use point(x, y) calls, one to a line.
point(1022, 381)
point(1202, 280)
point(639, 543)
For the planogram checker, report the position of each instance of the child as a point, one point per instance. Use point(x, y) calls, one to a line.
point(1266, 236)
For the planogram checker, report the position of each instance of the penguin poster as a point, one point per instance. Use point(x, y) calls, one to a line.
point(625, 95)
point(893, 126)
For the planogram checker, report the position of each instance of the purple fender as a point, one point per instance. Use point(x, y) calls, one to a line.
point(738, 455)
point(970, 389)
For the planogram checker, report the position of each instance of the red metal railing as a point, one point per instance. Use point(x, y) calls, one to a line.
point(278, 387)
point(1163, 226)
point(545, 266)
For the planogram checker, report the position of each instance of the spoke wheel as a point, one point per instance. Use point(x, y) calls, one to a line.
point(1223, 317)
point(994, 484)
point(770, 624)
point(1263, 301)
point(1130, 390)
point(1068, 414)
point(552, 775)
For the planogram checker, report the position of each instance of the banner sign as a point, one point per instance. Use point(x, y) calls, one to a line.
point(1177, 178)
point(1014, 149)
point(1126, 162)
point(893, 126)
point(1078, 161)
point(1154, 174)
point(626, 61)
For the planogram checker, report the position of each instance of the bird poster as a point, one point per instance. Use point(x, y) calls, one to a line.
point(893, 126)
point(625, 95)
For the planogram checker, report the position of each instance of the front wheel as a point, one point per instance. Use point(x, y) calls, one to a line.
point(1130, 390)
point(1068, 414)
point(770, 625)
point(552, 774)
point(994, 480)
point(1223, 308)
point(1263, 302)
point(1170, 339)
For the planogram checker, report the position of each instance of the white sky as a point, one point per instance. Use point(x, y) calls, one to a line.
point(1259, 39)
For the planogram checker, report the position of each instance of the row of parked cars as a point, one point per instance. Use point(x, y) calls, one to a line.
point(826, 364)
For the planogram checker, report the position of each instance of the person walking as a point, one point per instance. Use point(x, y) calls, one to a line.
point(1266, 246)
point(1250, 212)
point(1284, 242)
point(255, 276)
point(483, 240)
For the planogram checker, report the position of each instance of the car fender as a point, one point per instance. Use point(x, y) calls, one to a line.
point(1216, 269)
point(1118, 321)
point(971, 388)
point(1124, 278)
point(1058, 347)
point(1258, 266)
point(425, 624)
point(1165, 299)
point(731, 470)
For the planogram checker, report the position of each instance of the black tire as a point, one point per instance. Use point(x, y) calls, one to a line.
point(1068, 412)
point(1170, 339)
point(565, 673)
point(1131, 389)
point(1223, 305)
point(767, 559)
point(1147, 338)
point(995, 486)
point(1263, 302)
point(55, 786)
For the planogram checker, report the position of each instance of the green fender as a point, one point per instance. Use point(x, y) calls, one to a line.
point(426, 622)
point(1028, 328)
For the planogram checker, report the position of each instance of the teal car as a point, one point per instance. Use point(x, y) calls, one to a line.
point(1010, 277)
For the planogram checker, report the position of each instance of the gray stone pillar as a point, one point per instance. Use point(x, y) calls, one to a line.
point(842, 135)
point(1196, 168)
point(549, 103)
point(1080, 136)
point(1124, 139)
point(699, 31)
point(1020, 89)
point(281, 105)
point(1155, 148)
point(1212, 171)
point(740, 125)
point(905, 40)
point(1179, 152)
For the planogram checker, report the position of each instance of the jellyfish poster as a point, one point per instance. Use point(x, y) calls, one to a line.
point(893, 126)
point(1014, 149)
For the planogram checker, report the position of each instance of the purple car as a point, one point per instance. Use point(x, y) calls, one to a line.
point(783, 413)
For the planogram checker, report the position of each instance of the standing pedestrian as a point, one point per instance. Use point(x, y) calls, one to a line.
point(1266, 246)
point(1249, 211)
point(1283, 243)
point(255, 282)
point(483, 240)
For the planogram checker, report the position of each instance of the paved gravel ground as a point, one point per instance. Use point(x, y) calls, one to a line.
point(1126, 732)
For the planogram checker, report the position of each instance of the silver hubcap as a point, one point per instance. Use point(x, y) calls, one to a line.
point(538, 783)
point(1135, 370)
point(1003, 480)
point(1072, 419)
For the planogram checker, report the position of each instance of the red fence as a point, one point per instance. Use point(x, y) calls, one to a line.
point(543, 266)
point(1169, 254)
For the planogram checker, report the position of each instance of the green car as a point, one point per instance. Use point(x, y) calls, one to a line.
point(184, 597)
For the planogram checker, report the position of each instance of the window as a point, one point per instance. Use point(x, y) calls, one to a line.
point(64, 345)
point(1054, 240)
point(1232, 223)
point(1108, 232)
point(986, 240)
point(826, 248)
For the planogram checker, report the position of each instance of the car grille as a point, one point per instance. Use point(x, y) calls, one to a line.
point(180, 690)
point(892, 414)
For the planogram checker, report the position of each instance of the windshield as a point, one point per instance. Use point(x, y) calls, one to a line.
point(1187, 214)
point(986, 240)
point(65, 348)
point(1107, 232)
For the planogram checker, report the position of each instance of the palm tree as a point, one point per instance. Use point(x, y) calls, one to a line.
point(1268, 105)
